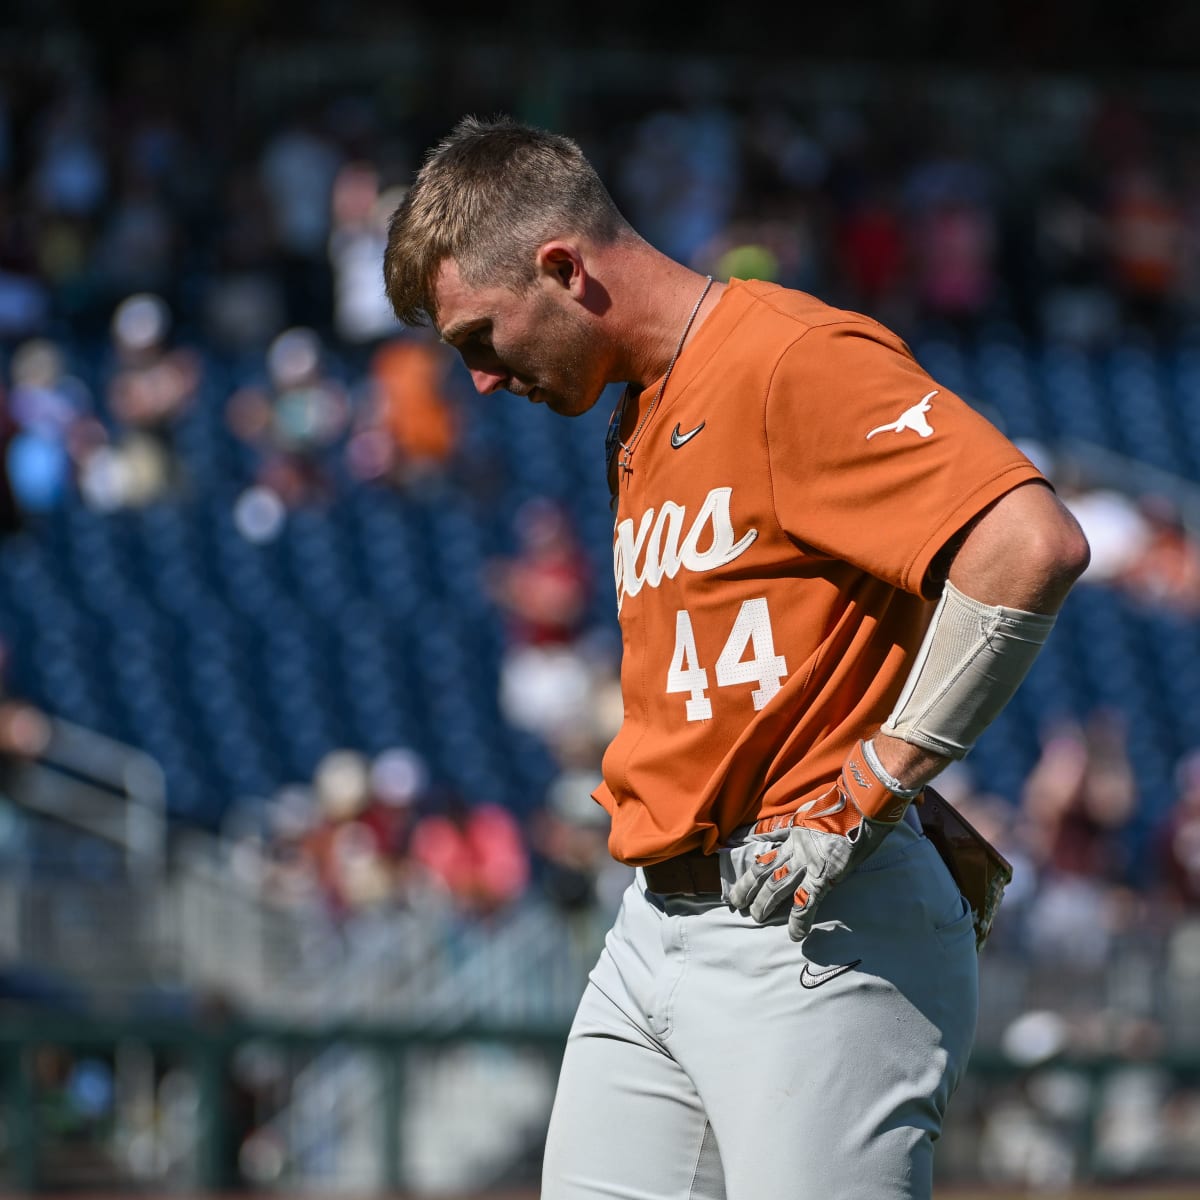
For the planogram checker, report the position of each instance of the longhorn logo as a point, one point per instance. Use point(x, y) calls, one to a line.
point(911, 418)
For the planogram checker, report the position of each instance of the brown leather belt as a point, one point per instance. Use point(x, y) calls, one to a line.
point(690, 874)
point(697, 874)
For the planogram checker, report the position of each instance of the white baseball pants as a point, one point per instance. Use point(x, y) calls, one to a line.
point(702, 1066)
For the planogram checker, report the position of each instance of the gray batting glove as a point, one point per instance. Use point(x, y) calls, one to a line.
point(821, 843)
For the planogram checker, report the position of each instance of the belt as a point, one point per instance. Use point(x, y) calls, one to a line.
point(689, 874)
point(694, 873)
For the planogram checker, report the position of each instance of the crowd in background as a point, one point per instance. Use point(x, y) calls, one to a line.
point(137, 225)
point(128, 229)
point(895, 203)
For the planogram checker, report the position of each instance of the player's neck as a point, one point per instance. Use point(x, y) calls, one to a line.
point(657, 297)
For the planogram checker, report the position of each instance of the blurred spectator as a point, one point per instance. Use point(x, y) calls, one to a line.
point(25, 735)
point(298, 167)
point(1165, 571)
point(73, 1095)
point(69, 186)
point(544, 590)
point(12, 518)
point(350, 858)
point(1080, 794)
point(70, 175)
point(1145, 243)
point(775, 246)
point(544, 587)
point(954, 241)
point(399, 784)
point(343, 841)
point(1140, 543)
point(476, 853)
point(52, 427)
point(1075, 804)
point(953, 233)
point(1111, 520)
point(1176, 876)
point(679, 176)
point(349, 834)
point(25, 729)
point(407, 429)
point(874, 253)
point(24, 296)
point(279, 864)
point(1178, 839)
point(361, 312)
point(1070, 247)
point(136, 249)
point(243, 301)
point(570, 835)
point(291, 425)
point(151, 389)
point(1032, 1131)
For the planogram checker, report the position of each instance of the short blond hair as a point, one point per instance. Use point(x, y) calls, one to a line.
point(487, 197)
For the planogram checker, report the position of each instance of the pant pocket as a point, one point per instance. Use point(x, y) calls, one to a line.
point(958, 926)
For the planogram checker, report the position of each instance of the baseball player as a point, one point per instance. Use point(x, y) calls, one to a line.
point(831, 575)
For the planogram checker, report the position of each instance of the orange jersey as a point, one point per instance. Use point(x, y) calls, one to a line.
point(771, 545)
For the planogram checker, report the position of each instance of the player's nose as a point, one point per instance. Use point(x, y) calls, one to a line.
point(487, 382)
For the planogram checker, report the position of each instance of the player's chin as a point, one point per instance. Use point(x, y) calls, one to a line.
point(564, 406)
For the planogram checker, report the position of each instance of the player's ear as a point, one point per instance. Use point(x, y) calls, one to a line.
point(560, 264)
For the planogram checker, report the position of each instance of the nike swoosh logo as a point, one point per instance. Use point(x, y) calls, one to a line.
point(812, 979)
point(681, 439)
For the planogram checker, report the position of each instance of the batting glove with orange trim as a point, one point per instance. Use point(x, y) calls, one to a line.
point(819, 844)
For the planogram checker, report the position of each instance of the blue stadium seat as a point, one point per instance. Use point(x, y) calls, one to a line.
point(1071, 397)
point(1006, 386)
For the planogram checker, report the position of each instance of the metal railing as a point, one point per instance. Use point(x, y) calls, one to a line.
point(100, 787)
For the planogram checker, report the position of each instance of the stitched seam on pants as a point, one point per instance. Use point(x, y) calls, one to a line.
point(668, 1017)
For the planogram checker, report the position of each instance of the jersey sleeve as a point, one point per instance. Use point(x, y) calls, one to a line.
point(872, 461)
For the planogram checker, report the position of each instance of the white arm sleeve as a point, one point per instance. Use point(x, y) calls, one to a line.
point(970, 664)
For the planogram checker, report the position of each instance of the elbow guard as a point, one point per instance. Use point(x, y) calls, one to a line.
point(972, 660)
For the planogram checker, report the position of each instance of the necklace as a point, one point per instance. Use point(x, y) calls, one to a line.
point(615, 424)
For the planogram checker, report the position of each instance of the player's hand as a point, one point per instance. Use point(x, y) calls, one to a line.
point(840, 829)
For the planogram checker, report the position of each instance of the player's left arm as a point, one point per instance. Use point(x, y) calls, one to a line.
point(953, 509)
point(1008, 574)
point(1022, 556)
